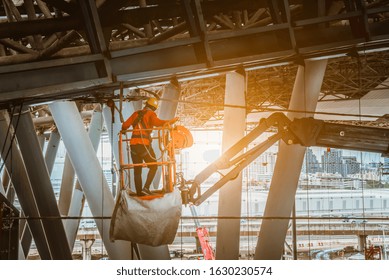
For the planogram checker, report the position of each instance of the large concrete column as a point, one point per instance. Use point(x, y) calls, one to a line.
point(16, 170)
point(167, 110)
point(78, 199)
point(51, 150)
point(41, 185)
point(288, 165)
point(89, 173)
point(234, 124)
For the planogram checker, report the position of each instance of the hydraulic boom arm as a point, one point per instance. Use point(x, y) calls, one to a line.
point(306, 132)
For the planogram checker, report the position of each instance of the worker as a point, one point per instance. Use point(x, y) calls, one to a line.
point(143, 122)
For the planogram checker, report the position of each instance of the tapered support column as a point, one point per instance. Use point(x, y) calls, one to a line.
point(288, 165)
point(26, 235)
point(87, 248)
point(114, 126)
point(22, 186)
point(89, 173)
point(167, 110)
point(75, 210)
point(67, 186)
point(8, 188)
point(78, 198)
point(41, 139)
point(228, 231)
point(41, 186)
point(68, 175)
point(51, 150)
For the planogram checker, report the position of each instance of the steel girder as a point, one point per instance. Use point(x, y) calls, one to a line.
point(197, 36)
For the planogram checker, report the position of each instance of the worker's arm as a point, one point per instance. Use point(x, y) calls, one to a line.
point(155, 121)
point(174, 120)
point(126, 125)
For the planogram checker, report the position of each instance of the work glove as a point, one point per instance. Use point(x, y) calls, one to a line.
point(174, 120)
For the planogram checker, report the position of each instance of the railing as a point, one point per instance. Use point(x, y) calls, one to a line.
point(166, 159)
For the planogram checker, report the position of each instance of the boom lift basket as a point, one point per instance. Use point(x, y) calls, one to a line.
point(150, 222)
point(153, 219)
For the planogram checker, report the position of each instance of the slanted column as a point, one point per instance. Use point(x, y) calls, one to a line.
point(234, 124)
point(67, 185)
point(78, 198)
point(23, 188)
point(167, 110)
point(26, 236)
point(68, 188)
point(287, 170)
point(2, 190)
point(41, 185)
point(89, 173)
point(87, 248)
point(75, 210)
point(52, 149)
point(41, 139)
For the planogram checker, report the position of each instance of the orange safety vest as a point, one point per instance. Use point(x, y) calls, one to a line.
point(142, 121)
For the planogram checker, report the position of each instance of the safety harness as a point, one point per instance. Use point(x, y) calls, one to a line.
point(138, 120)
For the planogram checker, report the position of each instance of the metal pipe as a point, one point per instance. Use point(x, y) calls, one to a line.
point(41, 185)
point(48, 121)
point(89, 173)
